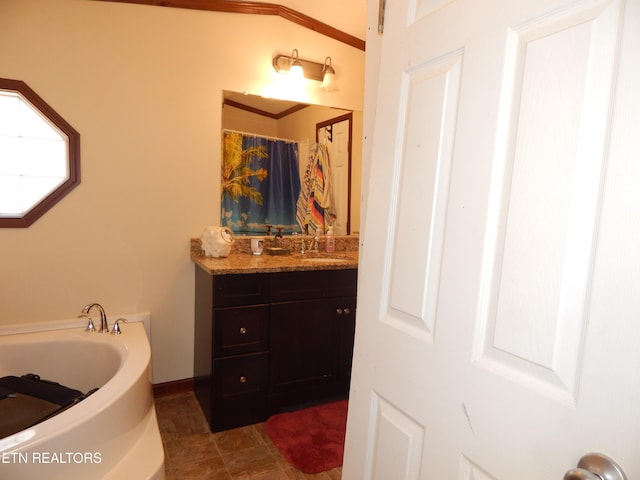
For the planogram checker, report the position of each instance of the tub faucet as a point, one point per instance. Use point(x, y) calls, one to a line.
point(104, 325)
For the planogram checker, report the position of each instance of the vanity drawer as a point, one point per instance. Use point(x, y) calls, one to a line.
point(232, 290)
point(313, 284)
point(240, 391)
point(241, 375)
point(240, 330)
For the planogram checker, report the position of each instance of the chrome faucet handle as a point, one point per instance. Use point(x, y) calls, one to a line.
point(315, 246)
point(116, 326)
point(90, 326)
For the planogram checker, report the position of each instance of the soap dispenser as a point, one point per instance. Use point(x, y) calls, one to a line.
point(330, 245)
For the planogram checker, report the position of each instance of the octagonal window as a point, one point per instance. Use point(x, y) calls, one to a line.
point(39, 155)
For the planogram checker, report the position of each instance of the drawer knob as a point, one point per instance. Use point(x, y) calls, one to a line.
point(243, 379)
point(243, 330)
point(339, 311)
point(347, 311)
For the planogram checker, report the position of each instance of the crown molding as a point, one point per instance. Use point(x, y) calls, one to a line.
point(256, 8)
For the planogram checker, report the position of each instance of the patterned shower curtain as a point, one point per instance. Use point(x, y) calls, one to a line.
point(260, 183)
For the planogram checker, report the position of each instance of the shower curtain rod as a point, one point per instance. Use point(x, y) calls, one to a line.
point(260, 136)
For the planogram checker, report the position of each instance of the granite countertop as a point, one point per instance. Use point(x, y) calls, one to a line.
point(241, 261)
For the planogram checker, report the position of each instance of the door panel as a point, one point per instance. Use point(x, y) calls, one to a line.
point(499, 285)
point(398, 443)
point(546, 194)
point(428, 113)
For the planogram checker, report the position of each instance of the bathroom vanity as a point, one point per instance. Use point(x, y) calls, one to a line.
point(272, 333)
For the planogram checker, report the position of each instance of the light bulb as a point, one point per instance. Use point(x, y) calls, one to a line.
point(329, 82)
point(296, 73)
point(329, 78)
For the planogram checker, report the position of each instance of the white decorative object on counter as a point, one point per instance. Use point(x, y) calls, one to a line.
point(217, 241)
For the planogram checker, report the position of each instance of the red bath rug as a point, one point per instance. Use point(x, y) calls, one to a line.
point(312, 439)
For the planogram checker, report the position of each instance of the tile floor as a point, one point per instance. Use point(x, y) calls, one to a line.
point(192, 452)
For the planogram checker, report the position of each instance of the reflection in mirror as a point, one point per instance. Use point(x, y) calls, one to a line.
point(335, 137)
point(39, 153)
point(289, 165)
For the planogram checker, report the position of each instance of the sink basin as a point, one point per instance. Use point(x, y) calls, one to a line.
point(323, 260)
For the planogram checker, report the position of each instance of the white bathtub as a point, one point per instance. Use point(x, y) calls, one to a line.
point(112, 434)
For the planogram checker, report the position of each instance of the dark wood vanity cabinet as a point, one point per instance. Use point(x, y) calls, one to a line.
point(269, 342)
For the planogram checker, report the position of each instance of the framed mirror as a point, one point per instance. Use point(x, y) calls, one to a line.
point(334, 135)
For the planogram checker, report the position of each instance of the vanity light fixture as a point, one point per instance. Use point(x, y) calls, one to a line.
point(296, 71)
point(329, 77)
point(321, 72)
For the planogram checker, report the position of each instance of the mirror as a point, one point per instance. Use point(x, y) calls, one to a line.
point(339, 130)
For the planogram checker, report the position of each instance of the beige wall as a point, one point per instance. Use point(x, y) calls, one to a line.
point(143, 87)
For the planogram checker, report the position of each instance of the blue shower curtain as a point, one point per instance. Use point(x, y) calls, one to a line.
point(279, 190)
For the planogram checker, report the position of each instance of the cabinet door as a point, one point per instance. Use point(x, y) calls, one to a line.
point(308, 341)
point(347, 333)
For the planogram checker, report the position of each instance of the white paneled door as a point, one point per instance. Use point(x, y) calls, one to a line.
point(498, 327)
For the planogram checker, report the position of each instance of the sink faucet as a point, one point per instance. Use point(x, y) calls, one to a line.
point(104, 325)
point(277, 238)
point(315, 245)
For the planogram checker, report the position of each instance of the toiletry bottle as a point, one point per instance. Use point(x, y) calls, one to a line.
point(330, 245)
